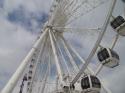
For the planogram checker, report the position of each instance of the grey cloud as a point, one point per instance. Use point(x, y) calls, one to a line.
point(32, 21)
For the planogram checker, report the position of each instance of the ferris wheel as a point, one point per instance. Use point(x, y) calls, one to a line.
point(59, 61)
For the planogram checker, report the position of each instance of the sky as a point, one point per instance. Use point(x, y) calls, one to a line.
point(21, 22)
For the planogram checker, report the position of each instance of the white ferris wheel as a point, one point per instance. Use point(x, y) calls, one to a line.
point(59, 61)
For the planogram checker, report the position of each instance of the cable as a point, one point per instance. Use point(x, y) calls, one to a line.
point(34, 70)
point(62, 55)
point(82, 14)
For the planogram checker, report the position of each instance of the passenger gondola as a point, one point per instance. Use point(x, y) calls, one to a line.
point(118, 24)
point(108, 57)
point(90, 84)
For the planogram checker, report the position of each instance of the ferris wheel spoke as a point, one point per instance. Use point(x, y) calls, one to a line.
point(76, 53)
point(36, 58)
point(71, 57)
point(36, 65)
point(98, 69)
point(56, 57)
point(63, 4)
point(97, 42)
point(45, 79)
point(68, 11)
point(115, 39)
point(47, 72)
point(41, 77)
point(64, 60)
point(74, 10)
point(74, 18)
point(57, 4)
point(73, 29)
point(71, 14)
point(72, 6)
point(69, 5)
point(55, 52)
point(46, 76)
point(62, 10)
point(74, 66)
point(88, 68)
point(60, 55)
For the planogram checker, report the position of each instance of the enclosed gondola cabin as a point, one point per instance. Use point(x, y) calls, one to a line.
point(66, 88)
point(108, 57)
point(118, 24)
point(90, 84)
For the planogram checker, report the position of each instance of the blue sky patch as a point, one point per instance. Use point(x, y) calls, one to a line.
point(25, 18)
point(1, 3)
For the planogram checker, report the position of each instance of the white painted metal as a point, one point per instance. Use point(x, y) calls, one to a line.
point(89, 69)
point(76, 53)
point(115, 41)
point(14, 79)
point(56, 57)
point(62, 55)
point(96, 44)
point(87, 10)
point(37, 61)
point(71, 58)
point(91, 89)
point(45, 78)
point(98, 69)
point(58, 22)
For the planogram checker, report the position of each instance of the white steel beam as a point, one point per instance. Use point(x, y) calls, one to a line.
point(47, 71)
point(88, 69)
point(14, 79)
point(37, 61)
point(76, 53)
point(70, 57)
point(56, 57)
point(62, 55)
point(45, 78)
point(115, 41)
point(88, 60)
point(98, 69)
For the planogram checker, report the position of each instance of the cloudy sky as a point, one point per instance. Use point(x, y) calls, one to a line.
point(20, 24)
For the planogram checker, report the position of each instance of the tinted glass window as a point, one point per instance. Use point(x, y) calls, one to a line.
point(95, 82)
point(103, 55)
point(114, 24)
point(120, 20)
point(85, 83)
point(100, 57)
point(117, 22)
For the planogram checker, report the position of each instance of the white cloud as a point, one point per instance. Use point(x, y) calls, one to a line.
point(15, 40)
point(15, 43)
